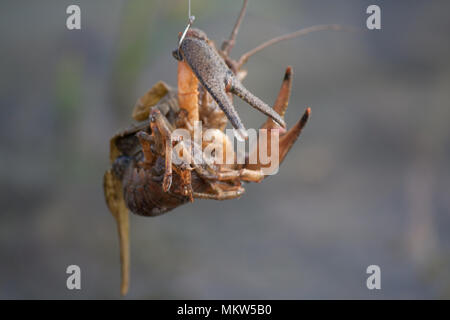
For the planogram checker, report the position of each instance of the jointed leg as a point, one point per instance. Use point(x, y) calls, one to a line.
point(242, 174)
point(186, 182)
point(167, 182)
point(220, 194)
point(160, 127)
point(205, 171)
point(227, 45)
point(209, 173)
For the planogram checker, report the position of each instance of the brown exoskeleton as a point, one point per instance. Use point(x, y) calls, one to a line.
point(144, 178)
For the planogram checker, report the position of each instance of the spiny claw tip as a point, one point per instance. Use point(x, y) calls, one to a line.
point(305, 116)
point(288, 74)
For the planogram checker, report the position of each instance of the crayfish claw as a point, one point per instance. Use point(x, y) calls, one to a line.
point(239, 90)
point(288, 139)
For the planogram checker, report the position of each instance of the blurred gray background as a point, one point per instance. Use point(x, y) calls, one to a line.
point(367, 182)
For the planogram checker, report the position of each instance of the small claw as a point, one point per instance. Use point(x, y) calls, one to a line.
point(287, 140)
point(282, 101)
point(217, 78)
point(211, 70)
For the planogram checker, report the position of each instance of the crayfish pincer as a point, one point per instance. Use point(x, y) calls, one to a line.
point(155, 168)
point(215, 76)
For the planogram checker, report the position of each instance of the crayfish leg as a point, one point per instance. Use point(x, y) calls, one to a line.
point(220, 194)
point(159, 125)
point(242, 174)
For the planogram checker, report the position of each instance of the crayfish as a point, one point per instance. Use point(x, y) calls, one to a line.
point(145, 179)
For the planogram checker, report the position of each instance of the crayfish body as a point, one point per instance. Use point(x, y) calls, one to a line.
point(145, 179)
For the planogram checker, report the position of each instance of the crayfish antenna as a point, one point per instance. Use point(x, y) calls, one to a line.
point(227, 45)
point(334, 27)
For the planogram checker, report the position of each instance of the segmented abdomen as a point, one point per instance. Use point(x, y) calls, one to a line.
point(144, 195)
